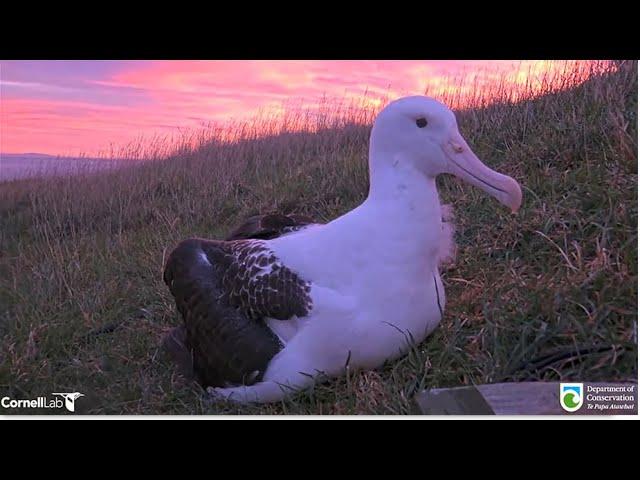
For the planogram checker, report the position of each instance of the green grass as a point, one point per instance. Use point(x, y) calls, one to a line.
point(549, 294)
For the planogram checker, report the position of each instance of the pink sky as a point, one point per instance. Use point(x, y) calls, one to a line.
point(74, 107)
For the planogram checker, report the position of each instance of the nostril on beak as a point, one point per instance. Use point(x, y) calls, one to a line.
point(457, 147)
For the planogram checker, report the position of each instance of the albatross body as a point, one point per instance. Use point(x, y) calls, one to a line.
point(356, 291)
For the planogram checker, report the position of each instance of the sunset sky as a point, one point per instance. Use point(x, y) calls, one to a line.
point(73, 107)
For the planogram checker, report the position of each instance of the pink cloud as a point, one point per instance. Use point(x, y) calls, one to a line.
point(132, 99)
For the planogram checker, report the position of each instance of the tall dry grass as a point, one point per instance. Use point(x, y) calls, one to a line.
point(207, 167)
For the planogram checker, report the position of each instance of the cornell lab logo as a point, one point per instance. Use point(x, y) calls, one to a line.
point(44, 402)
point(70, 399)
point(571, 396)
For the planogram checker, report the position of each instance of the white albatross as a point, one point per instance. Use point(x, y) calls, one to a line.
point(265, 317)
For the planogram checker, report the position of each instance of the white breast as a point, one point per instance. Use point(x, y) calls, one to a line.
point(368, 279)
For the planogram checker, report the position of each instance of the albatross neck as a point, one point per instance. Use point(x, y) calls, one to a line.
point(396, 187)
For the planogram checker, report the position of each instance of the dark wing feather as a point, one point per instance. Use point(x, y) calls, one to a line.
point(269, 226)
point(255, 282)
point(223, 289)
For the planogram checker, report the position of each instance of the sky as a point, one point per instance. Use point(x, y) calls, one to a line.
point(87, 107)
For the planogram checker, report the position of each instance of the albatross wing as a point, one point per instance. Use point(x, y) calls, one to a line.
point(269, 226)
point(224, 290)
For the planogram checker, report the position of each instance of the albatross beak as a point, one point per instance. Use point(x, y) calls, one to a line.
point(464, 164)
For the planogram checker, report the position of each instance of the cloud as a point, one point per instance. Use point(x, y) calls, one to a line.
point(83, 106)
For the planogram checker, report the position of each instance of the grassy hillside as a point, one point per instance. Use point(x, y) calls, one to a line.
point(550, 293)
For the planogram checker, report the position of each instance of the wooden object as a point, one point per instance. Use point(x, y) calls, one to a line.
point(522, 398)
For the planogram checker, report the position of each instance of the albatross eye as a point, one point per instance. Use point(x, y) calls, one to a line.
point(421, 122)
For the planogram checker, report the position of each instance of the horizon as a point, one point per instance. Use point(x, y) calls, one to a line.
point(89, 108)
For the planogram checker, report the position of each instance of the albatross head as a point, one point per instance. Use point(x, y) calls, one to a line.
point(423, 133)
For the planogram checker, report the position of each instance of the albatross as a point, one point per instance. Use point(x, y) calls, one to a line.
point(285, 300)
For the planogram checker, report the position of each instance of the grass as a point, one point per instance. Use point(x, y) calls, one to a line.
point(548, 294)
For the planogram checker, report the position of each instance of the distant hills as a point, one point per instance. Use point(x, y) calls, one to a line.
point(32, 155)
point(15, 166)
point(25, 155)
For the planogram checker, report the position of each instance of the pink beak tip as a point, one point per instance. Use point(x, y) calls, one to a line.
point(517, 196)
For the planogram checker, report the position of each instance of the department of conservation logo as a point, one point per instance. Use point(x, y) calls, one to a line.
point(571, 396)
